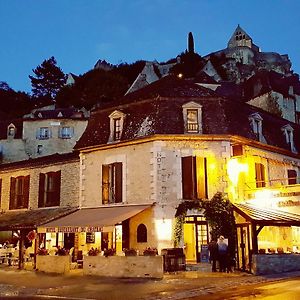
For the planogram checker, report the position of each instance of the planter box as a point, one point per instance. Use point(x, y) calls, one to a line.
point(53, 263)
point(263, 264)
point(124, 266)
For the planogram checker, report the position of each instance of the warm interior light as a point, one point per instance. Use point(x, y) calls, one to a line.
point(234, 168)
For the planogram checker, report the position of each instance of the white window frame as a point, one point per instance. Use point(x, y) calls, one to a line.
point(256, 125)
point(186, 108)
point(66, 132)
point(44, 133)
point(116, 119)
point(288, 132)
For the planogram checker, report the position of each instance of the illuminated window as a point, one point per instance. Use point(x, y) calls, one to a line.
point(112, 183)
point(49, 189)
point(116, 126)
point(19, 192)
point(194, 177)
point(141, 234)
point(288, 132)
point(260, 175)
point(292, 176)
point(192, 117)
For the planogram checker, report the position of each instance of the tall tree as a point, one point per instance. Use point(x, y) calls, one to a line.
point(48, 79)
point(191, 48)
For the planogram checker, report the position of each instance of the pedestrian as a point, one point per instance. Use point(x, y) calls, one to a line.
point(222, 251)
point(213, 254)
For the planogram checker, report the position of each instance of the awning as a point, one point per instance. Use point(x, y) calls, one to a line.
point(93, 219)
point(266, 216)
point(31, 218)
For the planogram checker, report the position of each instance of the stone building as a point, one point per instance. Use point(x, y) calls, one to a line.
point(174, 141)
point(45, 131)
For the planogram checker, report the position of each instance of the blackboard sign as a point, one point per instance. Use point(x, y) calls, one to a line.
point(204, 253)
point(90, 237)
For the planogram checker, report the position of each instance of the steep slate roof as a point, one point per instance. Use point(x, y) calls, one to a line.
point(157, 109)
point(4, 125)
point(45, 160)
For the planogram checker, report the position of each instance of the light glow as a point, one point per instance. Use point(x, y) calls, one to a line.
point(163, 228)
point(234, 168)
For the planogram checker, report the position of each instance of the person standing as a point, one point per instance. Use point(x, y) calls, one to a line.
point(213, 253)
point(222, 251)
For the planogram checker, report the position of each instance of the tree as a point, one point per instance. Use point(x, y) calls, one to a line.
point(48, 79)
point(191, 43)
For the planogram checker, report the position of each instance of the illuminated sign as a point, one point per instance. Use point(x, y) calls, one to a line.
point(71, 229)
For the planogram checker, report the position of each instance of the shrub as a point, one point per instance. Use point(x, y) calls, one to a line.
point(150, 251)
point(130, 252)
point(42, 251)
point(109, 252)
point(93, 252)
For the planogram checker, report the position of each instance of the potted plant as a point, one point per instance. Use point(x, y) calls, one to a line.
point(42, 251)
point(150, 251)
point(62, 251)
point(93, 252)
point(130, 252)
point(109, 252)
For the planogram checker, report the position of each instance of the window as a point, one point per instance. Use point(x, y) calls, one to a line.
point(141, 234)
point(117, 129)
point(292, 177)
point(19, 192)
point(256, 124)
point(116, 125)
point(194, 177)
point(260, 175)
point(66, 132)
point(112, 183)
point(11, 131)
point(49, 189)
point(288, 132)
point(237, 150)
point(39, 149)
point(192, 117)
point(43, 133)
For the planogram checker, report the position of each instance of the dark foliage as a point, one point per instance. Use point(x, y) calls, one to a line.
point(218, 61)
point(48, 79)
point(191, 47)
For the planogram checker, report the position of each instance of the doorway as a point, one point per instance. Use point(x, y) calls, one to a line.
point(243, 246)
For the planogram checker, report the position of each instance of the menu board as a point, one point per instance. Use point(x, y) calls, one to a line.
point(90, 237)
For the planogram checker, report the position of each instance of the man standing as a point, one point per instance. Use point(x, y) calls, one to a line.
point(213, 253)
point(222, 247)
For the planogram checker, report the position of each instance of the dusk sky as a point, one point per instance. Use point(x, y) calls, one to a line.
point(79, 32)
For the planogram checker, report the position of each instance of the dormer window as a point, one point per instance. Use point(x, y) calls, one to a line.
point(192, 117)
point(288, 132)
point(11, 131)
point(256, 124)
point(116, 125)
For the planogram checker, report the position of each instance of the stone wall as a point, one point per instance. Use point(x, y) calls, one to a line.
point(53, 264)
point(263, 264)
point(124, 266)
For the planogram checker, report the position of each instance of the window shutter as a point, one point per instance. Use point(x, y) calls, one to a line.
point(118, 182)
point(57, 183)
point(292, 177)
point(105, 184)
point(12, 193)
point(201, 172)
point(26, 191)
point(260, 175)
point(38, 131)
point(41, 201)
point(188, 165)
point(60, 129)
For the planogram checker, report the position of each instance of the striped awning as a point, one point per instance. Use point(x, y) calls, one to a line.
point(266, 216)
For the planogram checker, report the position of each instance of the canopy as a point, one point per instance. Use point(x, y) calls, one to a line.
point(31, 218)
point(93, 219)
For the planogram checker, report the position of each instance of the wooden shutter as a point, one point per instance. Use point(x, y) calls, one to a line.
point(12, 195)
point(188, 165)
point(105, 184)
point(26, 191)
point(118, 182)
point(260, 175)
point(201, 171)
point(292, 177)
point(41, 200)
point(57, 183)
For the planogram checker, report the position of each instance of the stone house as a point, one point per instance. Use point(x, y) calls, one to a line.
point(174, 141)
point(43, 132)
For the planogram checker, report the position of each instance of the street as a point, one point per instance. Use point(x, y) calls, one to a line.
point(287, 289)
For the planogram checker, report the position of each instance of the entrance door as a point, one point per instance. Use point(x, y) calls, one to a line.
point(69, 240)
point(243, 240)
point(195, 237)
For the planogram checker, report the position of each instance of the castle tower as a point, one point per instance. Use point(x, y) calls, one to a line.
point(240, 39)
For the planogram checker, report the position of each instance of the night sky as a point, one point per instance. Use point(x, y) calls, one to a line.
point(79, 32)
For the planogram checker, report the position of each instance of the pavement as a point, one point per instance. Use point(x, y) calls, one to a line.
point(16, 284)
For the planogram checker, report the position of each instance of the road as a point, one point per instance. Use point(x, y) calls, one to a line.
point(288, 289)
